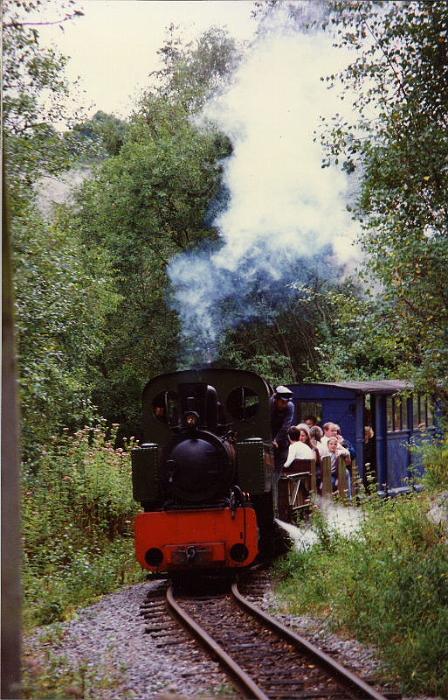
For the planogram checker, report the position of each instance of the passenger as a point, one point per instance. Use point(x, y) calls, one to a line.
point(299, 447)
point(368, 433)
point(282, 414)
point(348, 446)
point(336, 450)
point(316, 435)
point(345, 443)
point(305, 433)
point(330, 430)
point(369, 458)
point(311, 421)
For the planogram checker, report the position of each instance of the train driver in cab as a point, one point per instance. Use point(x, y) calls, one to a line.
point(282, 415)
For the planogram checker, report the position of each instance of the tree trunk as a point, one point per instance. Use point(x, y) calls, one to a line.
point(10, 499)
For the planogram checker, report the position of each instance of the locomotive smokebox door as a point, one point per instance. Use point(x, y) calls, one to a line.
point(145, 472)
point(251, 467)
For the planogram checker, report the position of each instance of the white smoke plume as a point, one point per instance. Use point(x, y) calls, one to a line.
point(285, 212)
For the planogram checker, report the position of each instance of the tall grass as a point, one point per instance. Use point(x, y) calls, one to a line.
point(77, 525)
point(435, 458)
point(387, 584)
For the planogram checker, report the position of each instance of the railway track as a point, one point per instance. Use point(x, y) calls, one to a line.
point(265, 659)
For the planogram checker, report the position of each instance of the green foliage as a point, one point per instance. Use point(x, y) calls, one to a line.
point(77, 512)
point(435, 459)
point(46, 674)
point(357, 342)
point(34, 91)
point(275, 368)
point(195, 71)
point(294, 322)
point(63, 295)
point(399, 145)
point(99, 137)
point(387, 584)
point(143, 206)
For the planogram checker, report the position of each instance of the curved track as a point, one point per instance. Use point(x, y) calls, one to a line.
point(266, 660)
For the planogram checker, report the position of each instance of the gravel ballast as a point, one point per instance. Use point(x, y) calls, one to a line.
point(119, 660)
point(109, 639)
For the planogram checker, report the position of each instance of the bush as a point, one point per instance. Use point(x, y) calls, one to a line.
point(388, 585)
point(77, 515)
point(435, 460)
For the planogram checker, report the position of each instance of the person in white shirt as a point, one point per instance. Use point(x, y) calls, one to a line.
point(298, 447)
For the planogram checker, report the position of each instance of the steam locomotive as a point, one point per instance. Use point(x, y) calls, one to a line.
point(204, 473)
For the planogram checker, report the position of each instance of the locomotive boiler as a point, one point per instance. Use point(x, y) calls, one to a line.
point(204, 472)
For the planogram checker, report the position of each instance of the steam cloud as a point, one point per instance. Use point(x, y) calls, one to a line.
point(285, 213)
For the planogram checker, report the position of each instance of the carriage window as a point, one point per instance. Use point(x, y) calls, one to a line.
point(389, 414)
point(309, 408)
point(423, 411)
point(242, 403)
point(415, 411)
point(397, 413)
point(404, 414)
point(368, 409)
point(164, 407)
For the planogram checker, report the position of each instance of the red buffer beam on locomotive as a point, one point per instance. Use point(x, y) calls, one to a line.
point(207, 539)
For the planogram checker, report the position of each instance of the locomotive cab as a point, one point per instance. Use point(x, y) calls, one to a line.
point(203, 473)
point(198, 465)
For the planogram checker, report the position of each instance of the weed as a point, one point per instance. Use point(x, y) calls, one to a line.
point(53, 676)
point(77, 515)
point(435, 459)
point(224, 690)
point(387, 584)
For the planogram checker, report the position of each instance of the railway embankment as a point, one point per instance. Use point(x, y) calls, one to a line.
point(384, 583)
point(106, 652)
point(77, 511)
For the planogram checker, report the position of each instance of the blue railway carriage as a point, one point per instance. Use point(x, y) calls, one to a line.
point(397, 417)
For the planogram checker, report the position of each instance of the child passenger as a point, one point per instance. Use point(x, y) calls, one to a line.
point(336, 450)
point(298, 445)
point(316, 435)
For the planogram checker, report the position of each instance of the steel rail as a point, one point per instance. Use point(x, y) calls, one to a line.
point(324, 659)
point(250, 689)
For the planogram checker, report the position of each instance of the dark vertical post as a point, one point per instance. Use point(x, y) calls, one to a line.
point(326, 476)
point(438, 417)
point(381, 439)
point(410, 424)
point(10, 498)
point(410, 414)
point(359, 428)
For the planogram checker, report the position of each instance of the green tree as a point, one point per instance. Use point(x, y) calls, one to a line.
point(399, 145)
point(291, 334)
point(100, 136)
point(145, 205)
point(35, 89)
point(192, 72)
point(62, 294)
